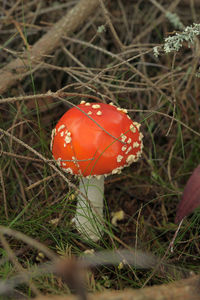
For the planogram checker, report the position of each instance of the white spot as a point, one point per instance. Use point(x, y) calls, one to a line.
point(65, 145)
point(139, 154)
point(122, 109)
point(140, 136)
point(117, 170)
point(99, 113)
point(58, 161)
point(119, 158)
point(131, 158)
point(82, 102)
point(61, 127)
point(69, 170)
point(137, 125)
point(74, 160)
point(89, 113)
point(136, 145)
point(62, 133)
point(68, 139)
point(98, 177)
point(123, 137)
point(87, 104)
point(95, 106)
point(64, 164)
point(124, 148)
point(68, 133)
point(129, 141)
point(111, 103)
point(128, 150)
point(132, 128)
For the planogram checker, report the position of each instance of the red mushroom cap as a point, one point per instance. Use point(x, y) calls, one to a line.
point(96, 139)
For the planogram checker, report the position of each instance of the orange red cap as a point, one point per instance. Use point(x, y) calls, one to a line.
point(96, 139)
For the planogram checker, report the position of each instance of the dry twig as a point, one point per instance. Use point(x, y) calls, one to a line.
point(17, 69)
point(187, 289)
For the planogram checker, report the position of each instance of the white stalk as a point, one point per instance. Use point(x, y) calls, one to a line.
point(89, 213)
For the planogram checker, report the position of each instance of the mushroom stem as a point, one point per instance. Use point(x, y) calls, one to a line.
point(89, 213)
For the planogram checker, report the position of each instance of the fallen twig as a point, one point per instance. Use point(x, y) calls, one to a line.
point(17, 69)
point(187, 289)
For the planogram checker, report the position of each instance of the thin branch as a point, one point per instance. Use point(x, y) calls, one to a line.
point(17, 69)
point(28, 240)
point(187, 289)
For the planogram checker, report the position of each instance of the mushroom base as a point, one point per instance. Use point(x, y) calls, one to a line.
point(89, 213)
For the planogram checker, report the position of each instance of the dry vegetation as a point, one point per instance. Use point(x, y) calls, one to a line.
point(105, 53)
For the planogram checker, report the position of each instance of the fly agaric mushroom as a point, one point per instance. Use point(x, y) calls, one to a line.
point(93, 140)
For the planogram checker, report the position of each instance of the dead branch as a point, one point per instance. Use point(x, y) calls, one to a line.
point(17, 69)
point(187, 289)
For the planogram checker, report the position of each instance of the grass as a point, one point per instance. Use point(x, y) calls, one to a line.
point(162, 93)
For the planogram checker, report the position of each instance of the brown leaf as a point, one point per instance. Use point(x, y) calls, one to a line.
point(191, 196)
